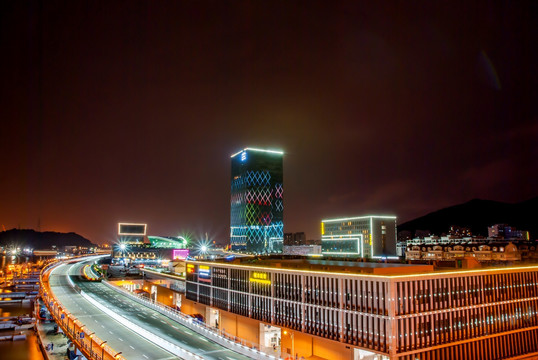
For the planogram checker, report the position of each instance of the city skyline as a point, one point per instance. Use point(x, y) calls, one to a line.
point(113, 115)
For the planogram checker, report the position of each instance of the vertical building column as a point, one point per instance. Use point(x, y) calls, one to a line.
point(303, 309)
point(341, 307)
point(211, 287)
point(249, 294)
point(228, 290)
point(392, 329)
point(273, 278)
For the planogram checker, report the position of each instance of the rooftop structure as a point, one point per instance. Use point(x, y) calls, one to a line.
point(170, 242)
point(131, 233)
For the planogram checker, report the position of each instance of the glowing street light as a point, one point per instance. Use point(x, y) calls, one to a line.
point(103, 349)
point(292, 342)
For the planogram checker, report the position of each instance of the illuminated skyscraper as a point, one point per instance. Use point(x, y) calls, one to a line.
point(256, 203)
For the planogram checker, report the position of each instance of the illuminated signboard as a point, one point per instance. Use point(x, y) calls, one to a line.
point(204, 273)
point(131, 229)
point(260, 277)
point(190, 269)
point(220, 273)
point(180, 254)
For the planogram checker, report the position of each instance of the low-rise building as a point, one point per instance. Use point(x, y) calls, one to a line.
point(369, 236)
point(491, 250)
point(343, 309)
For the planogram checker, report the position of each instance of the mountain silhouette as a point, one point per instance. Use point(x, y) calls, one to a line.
point(478, 214)
point(41, 240)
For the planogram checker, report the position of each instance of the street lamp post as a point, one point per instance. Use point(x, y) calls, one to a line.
point(91, 343)
point(292, 342)
point(103, 350)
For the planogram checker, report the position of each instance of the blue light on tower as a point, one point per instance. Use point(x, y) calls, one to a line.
point(244, 156)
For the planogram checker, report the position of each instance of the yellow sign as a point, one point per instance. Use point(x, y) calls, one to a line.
point(322, 228)
point(260, 277)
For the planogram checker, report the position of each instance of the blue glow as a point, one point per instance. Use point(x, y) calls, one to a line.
point(244, 156)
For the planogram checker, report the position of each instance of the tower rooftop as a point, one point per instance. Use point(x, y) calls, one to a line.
point(279, 152)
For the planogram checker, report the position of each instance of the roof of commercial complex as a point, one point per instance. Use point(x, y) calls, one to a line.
point(336, 266)
point(357, 267)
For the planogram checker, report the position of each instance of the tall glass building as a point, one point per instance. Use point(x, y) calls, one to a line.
point(256, 201)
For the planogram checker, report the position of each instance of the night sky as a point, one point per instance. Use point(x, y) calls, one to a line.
point(129, 111)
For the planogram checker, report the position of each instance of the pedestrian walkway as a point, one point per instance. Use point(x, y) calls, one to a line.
point(49, 333)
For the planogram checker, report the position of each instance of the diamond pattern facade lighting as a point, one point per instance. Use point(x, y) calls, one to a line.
point(257, 207)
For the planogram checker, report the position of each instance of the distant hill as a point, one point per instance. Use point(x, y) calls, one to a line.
point(478, 215)
point(41, 240)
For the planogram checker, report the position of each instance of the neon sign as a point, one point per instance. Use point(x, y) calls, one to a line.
point(190, 268)
point(260, 277)
point(204, 273)
point(180, 254)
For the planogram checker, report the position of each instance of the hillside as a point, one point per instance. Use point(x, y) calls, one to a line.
point(478, 215)
point(41, 240)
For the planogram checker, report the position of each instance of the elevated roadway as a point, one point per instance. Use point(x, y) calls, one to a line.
point(122, 339)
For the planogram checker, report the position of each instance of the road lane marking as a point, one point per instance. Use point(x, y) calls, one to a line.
point(131, 347)
point(120, 339)
point(145, 356)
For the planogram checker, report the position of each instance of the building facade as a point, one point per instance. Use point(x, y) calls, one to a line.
point(364, 236)
point(298, 238)
point(484, 251)
point(469, 314)
point(504, 231)
point(257, 206)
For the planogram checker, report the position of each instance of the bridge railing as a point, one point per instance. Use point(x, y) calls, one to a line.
point(89, 344)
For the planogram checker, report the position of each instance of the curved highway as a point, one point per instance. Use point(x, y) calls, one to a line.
point(131, 345)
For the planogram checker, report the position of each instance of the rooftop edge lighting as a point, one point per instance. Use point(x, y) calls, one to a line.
point(361, 217)
point(261, 150)
point(388, 277)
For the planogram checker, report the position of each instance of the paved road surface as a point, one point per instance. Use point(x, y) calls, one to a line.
point(120, 338)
